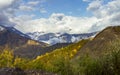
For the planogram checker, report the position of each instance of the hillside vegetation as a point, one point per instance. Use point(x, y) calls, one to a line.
point(98, 56)
point(56, 61)
point(102, 42)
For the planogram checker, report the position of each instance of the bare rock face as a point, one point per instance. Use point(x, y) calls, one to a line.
point(18, 71)
point(12, 71)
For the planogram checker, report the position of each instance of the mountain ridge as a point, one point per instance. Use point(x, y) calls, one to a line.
point(102, 42)
point(53, 38)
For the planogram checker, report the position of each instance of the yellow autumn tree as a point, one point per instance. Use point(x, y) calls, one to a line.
point(6, 58)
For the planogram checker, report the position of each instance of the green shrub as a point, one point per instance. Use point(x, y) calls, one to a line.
point(62, 66)
point(106, 65)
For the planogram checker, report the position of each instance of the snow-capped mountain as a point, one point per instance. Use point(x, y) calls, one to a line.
point(53, 38)
point(21, 44)
point(1, 28)
point(12, 30)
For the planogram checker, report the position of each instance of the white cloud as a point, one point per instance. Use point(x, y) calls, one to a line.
point(108, 13)
point(93, 6)
point(5, 3)
point(33, 3)
point(42, 10)
point(26, 8)
point(7, 11)
point(12, 8)
point(57, 23)
point(104, 14)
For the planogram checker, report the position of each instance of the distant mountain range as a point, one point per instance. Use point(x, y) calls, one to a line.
point(53, 38)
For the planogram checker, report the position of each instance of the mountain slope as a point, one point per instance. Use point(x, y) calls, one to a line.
point(47, 60)
point(103, 42)
point(34, 51)
point(14, 39)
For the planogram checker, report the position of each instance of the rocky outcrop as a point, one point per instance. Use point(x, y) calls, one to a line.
point(12, 71)
point(18, 71)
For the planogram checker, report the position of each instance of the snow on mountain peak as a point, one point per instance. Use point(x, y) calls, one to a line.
point(1, 28)
point(53, 38)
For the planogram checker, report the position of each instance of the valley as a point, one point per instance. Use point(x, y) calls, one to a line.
point(25, 56)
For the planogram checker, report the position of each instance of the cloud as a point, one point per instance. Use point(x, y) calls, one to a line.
point(108, 13)
point(5, 3)
point(42, 10)
point(104, 14)
point(33, 3)
point(26, 8)
point(57, 22)
point(7, 11)
point(10, 9)
point(3, 19)
point(85, 0)
point(93, 6)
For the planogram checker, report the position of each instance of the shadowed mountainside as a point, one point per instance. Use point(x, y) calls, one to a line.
point(14, 39)
point(29, 52)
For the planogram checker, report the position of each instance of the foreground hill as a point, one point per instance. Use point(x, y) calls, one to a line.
point(103, 42)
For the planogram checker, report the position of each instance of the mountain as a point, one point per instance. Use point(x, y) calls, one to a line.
point(103, 42)
point(22, 45)
point(10, 38)
point(34, 51)
point(13, 38)
point(53, 38)
point(100, 57)
point(97, 56)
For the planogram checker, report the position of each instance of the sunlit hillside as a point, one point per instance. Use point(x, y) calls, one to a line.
point(61, 55)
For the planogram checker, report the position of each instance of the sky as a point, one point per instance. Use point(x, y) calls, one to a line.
point(65, 16)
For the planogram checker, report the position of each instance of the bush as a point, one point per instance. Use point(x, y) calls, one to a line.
point(106, 65)
point(6, 59)
point(21, 63)
point(62, 66)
